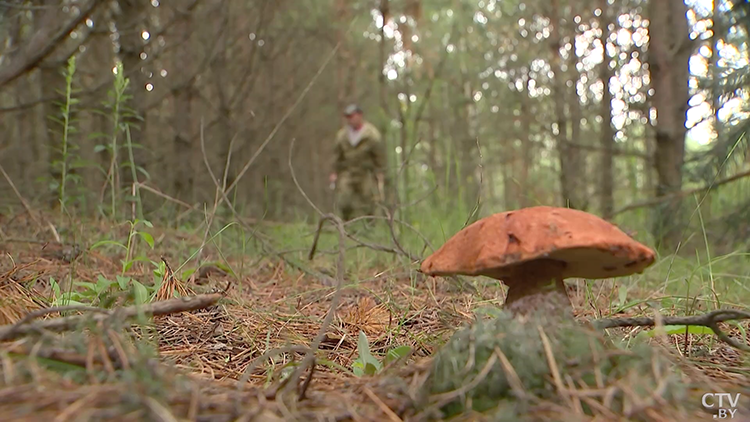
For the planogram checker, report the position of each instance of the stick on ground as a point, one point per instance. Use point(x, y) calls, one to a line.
point(710, 320)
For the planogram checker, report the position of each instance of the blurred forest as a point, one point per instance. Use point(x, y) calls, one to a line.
point(634, 110)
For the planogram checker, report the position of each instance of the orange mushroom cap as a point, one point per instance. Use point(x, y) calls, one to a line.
point(589, 246)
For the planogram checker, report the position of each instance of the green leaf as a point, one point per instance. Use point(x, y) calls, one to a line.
point(365, 357)
point(127, 265)
point(667, 302)
point(371, 369)
point(81, 163)
point(358, 368)
point(71, 302)
point(142, 170)
point(331, 364)
point(363, 345)
point(147, 238)
point(55, 287)
point(108, 242)
point(623, 307)
point(102, 284)
point(397, 353)
point(56, 120)
point(680, 329)
point(122, 282)
point(622, 294)
point(99, 112)
point(140, 293)
point(86, 285)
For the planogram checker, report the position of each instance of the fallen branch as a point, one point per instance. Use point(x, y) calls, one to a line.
point(710, 320)
point(165, 307)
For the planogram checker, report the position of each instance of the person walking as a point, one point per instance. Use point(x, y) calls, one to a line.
point(359, 160)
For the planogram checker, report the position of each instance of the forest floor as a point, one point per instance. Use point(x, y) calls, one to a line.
point(111, 373)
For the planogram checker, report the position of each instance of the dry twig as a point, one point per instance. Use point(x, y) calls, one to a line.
point(710, 320)
point(681, 194)
point(309, 359)
point(20, 197)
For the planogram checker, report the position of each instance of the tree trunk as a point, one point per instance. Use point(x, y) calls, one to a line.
point(576, 155)
point(566, 152)
point(470, 170)
point(526, 145)
point(23, 145)
point(183, 148)
point(607, 135)
point(52, 84)
point(96, 70)
point(342, 16)
point(715, 72)
point(130, 25)
point(669, 53)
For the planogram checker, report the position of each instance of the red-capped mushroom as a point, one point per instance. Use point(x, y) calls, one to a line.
point(533, 249)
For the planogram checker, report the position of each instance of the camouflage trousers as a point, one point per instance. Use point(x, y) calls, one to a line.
point(356, 196)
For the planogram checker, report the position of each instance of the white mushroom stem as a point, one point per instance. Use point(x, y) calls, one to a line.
point(537, 286)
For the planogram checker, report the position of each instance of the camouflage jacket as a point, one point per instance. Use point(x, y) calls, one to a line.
point(367, 157)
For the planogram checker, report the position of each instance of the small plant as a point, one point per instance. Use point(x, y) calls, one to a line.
point(367, 364)
point(129, 247)
point(67, 161)
point(104, 293)
point(120, 114)
point(134, 169)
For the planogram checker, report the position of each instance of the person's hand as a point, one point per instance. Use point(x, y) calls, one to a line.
point(332, 177)
point(380, 177)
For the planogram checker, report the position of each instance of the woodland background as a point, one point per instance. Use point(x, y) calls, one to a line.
point(124, 123)
point(485, 106)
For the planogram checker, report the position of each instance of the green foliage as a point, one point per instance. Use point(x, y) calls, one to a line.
point(68, 160)
point(108, 293)
point(134, 169)
point(121, 116)
point(105, 293)
point(677, 329)
point(133, 235)
point(580, 355)
point(367, 364)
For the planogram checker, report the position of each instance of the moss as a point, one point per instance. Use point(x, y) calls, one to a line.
point(579, 354)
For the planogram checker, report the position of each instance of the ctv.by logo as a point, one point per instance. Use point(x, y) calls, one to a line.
point(724, 403)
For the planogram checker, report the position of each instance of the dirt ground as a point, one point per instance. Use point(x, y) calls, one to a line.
point(202, 354)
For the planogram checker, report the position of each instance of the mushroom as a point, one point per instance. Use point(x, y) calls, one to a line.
point(531, 250)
